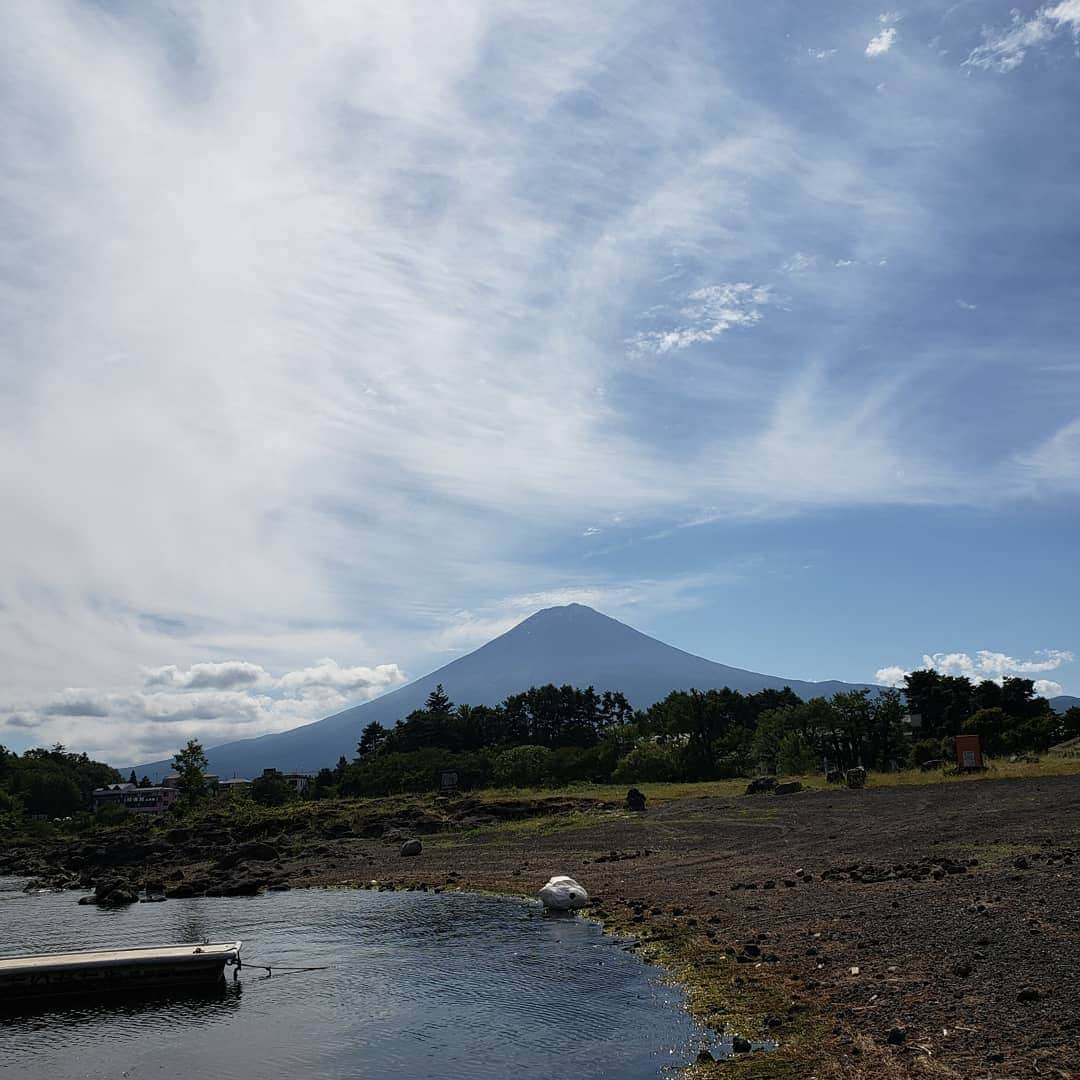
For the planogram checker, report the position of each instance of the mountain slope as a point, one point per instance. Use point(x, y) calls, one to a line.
point(1065, 703)
point(572, 644)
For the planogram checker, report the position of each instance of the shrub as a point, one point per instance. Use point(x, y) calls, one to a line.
point(647, 762)
point(111, 814)
point(416, 770)
point(271, 789)
point(523, 766)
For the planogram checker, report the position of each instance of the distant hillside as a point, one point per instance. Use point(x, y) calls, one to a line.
point(1064, 703)
point(572, 644)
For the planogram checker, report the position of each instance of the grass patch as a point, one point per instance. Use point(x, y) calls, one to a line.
point(1052, 764)
point(505, 833)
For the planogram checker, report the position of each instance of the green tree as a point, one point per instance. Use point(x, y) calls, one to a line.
point(131, 778)
point(995, 730)
point(438, 703)
point(323, 786)
point(1069, 724)
point(371, 738)
point(190, 765)
point(271, 789)
point(795, 756)
point(51, 794)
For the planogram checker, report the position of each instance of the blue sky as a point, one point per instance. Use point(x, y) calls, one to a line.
point(335, 338)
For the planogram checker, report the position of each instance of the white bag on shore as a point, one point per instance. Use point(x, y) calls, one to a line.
point(563, 894)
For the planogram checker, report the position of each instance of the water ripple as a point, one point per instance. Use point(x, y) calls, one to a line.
point(415, 984)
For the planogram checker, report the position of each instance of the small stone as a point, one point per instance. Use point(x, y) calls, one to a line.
point(961, 970)
point(1029, 993)
point(411, 847)
point(740, 1045)
point(996, 1057)
point(1020, 862)
point(896, 1036)
point(704, 1057)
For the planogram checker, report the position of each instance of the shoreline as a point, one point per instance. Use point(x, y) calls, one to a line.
point(886, 932)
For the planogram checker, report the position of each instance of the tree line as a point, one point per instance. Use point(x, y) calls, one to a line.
point(562, 734)
point(51, 782)
point(555, 735)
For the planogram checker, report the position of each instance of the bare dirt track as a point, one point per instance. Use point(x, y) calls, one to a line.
point(907, 931)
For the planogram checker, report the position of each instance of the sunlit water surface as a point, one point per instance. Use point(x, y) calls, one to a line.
point(414, 985)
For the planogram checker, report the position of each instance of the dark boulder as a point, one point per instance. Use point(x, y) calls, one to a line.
point(856, 778)
point(411, 847)
point(115, 894)
point(635, 800)
point(787, 789)
point(253, 851)
point(760, 785)
point(242, 886)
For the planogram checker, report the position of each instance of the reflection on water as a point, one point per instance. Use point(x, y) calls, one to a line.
point(193, 1005)
point(416, 984)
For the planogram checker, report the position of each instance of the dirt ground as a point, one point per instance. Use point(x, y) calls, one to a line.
point(888, 932)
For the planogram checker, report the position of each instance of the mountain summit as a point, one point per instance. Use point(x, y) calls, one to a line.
point(570, 644)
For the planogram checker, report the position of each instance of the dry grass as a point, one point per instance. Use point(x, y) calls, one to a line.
point(1051, 765)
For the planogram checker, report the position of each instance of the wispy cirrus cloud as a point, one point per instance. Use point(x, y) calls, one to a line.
point(321, 322)
point(708, 313)
point(1004, 50)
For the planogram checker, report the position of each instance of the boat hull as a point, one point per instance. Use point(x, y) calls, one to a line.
point(27, 978)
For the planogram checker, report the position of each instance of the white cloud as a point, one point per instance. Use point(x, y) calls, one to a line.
point(890, 676)
point(328, 676)
point(227, 675)
point(881, 42)
point(213, 702)
point(710, 312)
point(799, 263)
point(1005, 50)
point(963, 305)
point(986, 664)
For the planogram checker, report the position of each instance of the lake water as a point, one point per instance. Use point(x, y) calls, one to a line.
point(415, 984)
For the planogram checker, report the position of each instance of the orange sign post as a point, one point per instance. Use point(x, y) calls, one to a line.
point(968, 753)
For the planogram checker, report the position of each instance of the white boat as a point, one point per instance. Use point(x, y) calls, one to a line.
point(48, 974)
